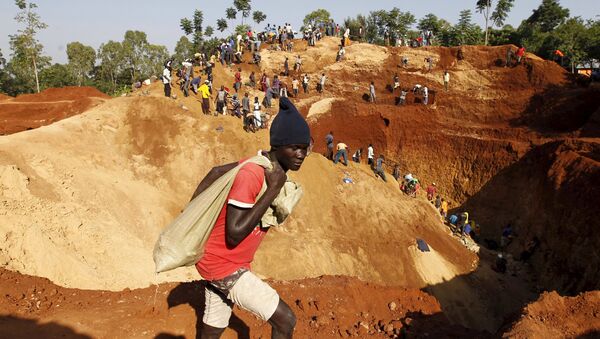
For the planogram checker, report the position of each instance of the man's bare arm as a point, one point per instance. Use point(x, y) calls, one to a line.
point(214, 174)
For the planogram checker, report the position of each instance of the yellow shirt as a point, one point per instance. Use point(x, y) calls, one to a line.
point(205, 91)
point(341, 146)
point(445, 206)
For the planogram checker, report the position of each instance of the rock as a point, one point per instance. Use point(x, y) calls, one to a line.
point(392, 306)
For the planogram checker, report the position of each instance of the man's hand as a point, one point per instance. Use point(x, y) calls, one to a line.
point(275, 177)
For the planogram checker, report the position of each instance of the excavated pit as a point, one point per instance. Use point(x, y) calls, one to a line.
point(84, 199)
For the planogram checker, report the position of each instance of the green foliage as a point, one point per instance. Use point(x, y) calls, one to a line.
point(194, 27)
point(183, 49)
point(241, 29)
point(154, 60)
point(430, 22)
point(395, 22)
point(81, 61)
point(186, 26)
point(140, 58)
point(211, 45)
point(316, 17)
point(548, 15)
point(243, 6)
point(354, 25)
point(501, 12)
point(57, 75)
point(230, 13)
point(25, 45)
point(497, 17)
point(258, 17)
point(503, 36)
point(26, 61)
point(209, 31)
point(5, 80)
point(111, 65)
point(135, 45)
point(221, 25)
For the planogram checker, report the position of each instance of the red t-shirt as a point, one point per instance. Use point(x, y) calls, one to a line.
point(220, 261)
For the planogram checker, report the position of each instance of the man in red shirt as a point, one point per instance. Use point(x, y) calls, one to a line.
point(238, 80)
point(431, 190)
point(238, 231)
point(520, 54)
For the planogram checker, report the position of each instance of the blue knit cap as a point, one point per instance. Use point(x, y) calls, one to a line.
point(289, 127)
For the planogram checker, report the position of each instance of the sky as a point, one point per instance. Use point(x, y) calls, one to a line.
point(94, 22)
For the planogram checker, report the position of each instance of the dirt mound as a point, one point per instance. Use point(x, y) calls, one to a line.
point(30, 111)
point(554, 316)
point(63, 93)
point(5, 97)
point(326, 307)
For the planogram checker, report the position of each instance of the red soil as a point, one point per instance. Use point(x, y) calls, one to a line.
point(326, 307)
point(30, 111)
point(553, 316)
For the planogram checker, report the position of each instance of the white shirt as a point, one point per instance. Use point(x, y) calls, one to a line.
point(447, 77)
point(166, 76)
point(323, 78)
point(370, 153)
point(425, 91)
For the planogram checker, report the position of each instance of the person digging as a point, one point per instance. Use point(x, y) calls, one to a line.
point(239, 231)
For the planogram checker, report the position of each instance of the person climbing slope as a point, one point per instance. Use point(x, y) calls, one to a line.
point(238, 232)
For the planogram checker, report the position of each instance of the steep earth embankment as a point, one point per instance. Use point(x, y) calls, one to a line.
point(95, 190)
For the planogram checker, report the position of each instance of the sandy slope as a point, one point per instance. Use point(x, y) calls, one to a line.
point(85, 198)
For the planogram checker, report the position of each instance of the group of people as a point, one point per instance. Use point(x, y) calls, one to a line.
point(342, 150)
point(417, 90)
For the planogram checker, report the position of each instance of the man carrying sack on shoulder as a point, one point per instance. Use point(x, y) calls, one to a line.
point(238, 231)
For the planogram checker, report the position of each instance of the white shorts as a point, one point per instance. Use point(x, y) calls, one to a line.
point(249, 293)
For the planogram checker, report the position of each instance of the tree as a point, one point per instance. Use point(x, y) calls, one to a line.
point(183, 50)
point(430, 22)
point(111, 56)
point(258, 17)
point(244, 7)
point(497, 16)
point(194, 27)
point(209, 31)
point(465, 31)
point(230, 13)
point(81, 61)
point(154, 59)
point(21, 68)
point(56, 75)
point(26, 38)
point(316, 17)
point(221, 25)
point(4, 76)
point(548, 15)
point(135, 45)
point(394, 22)
point(505, 35)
